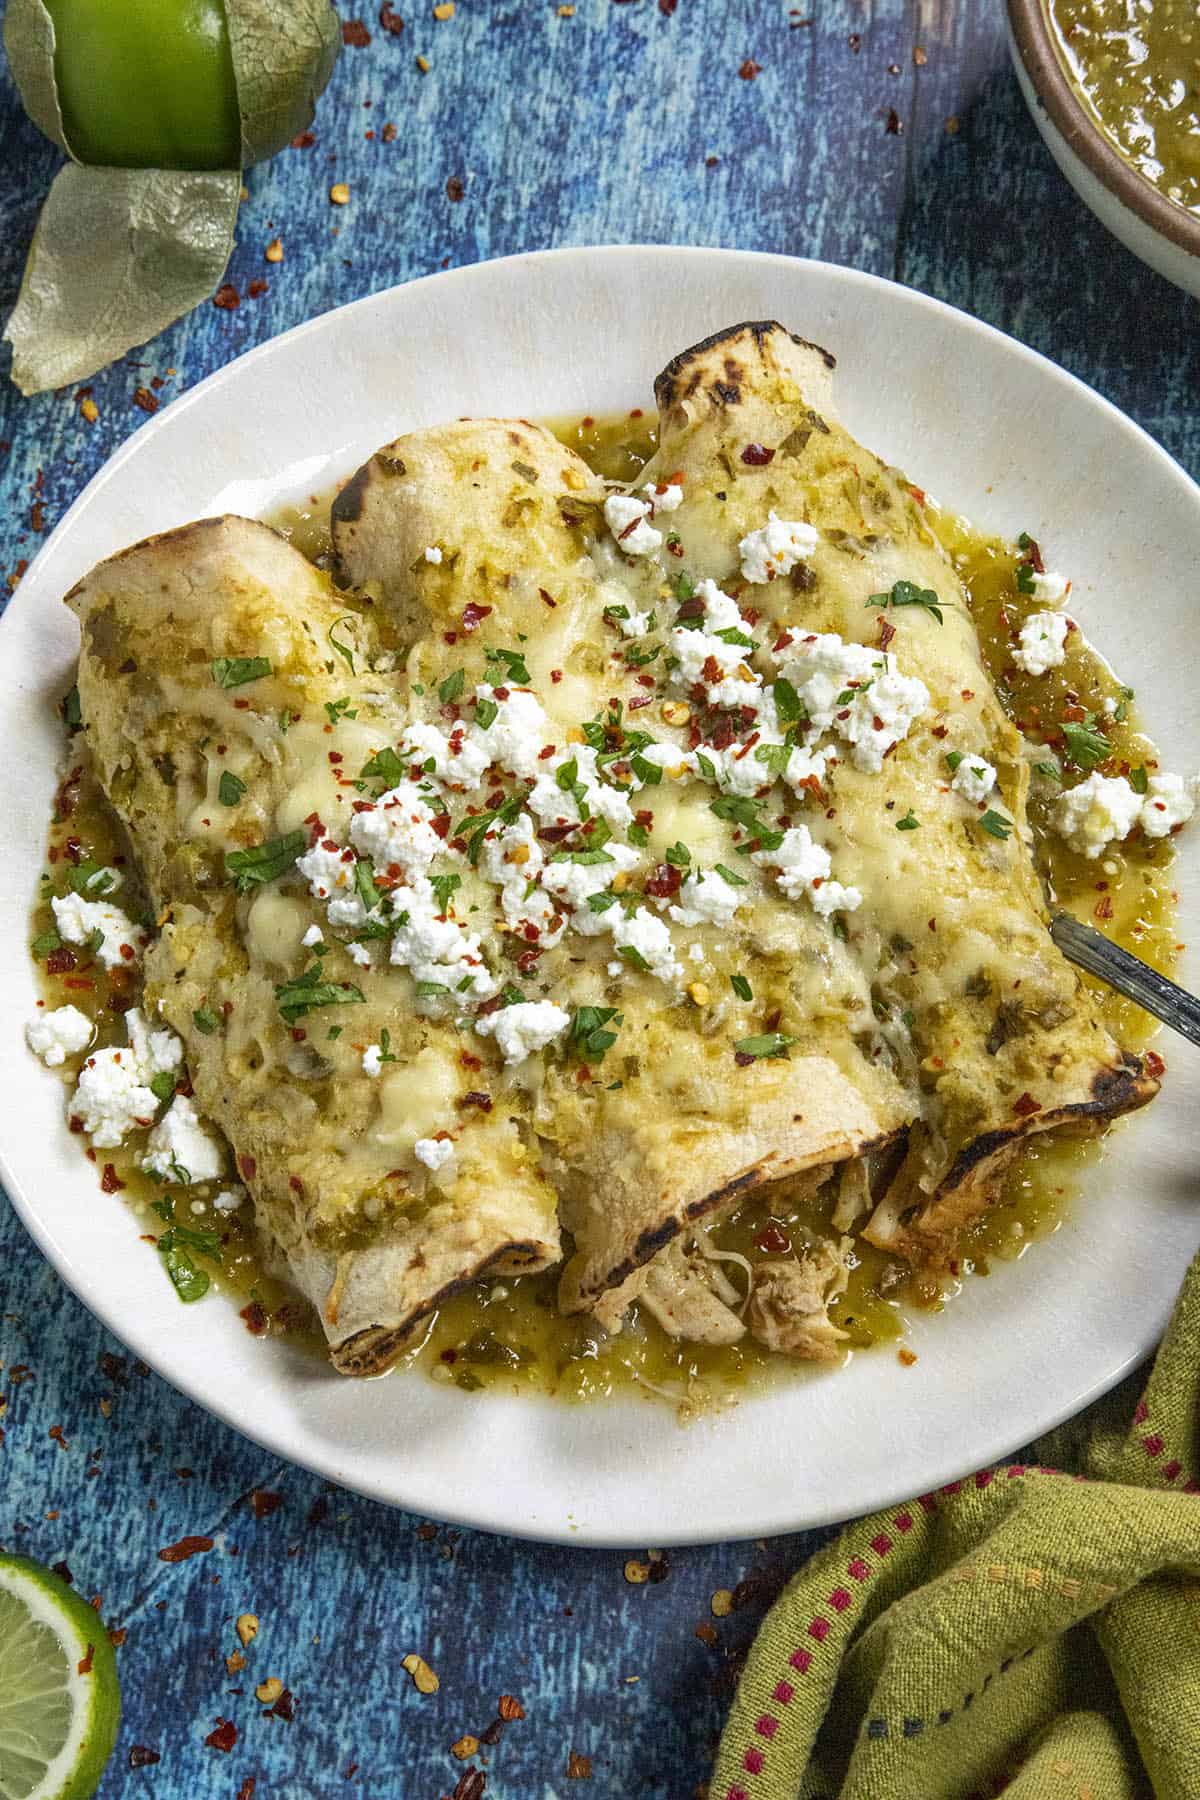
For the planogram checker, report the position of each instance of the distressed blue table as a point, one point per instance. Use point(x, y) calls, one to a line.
point(890, 137)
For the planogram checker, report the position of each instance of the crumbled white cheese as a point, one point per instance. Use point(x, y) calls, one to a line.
point(736, 683)
point(1170, 802)
point(739, 769)
point(665, 498)
point(857, 692)
point(180, 1149)
point(649, 939)
point(56, 1035)
point(517, 735)
point(974, 779)
point(806, 765)
point(229, 1199)
point(432, 553)
point(513, 859)
point(435, 1153)
point(521, 1029)
point(628, 520)
point(706, 898)
point(1041, 642)
point(1050, 588)
point(398, 830)
point(555, 805)
point(155, 1052)
point(459, 759)
point(436, 950)
point(360, 954)
point(312, 936)
point(78, 919)
point(721, 610)
point(111, 1099)
point(802, 867)
point(372, 1060)
point(329, 872)
point(775, 548)
point(1101, 810)
point(668, 757)
point(574, 884)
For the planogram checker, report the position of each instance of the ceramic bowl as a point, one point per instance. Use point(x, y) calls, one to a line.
point(1160, 232)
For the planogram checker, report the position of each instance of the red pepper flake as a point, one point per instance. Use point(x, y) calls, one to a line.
point(474, 1098)
point(56, 1432)
point(1026, 1105)
point(470, 1785)
point(285, 1707)
point(742, 1059)
point(855, 42)
point(1155, 1065)
point(667, 8)
point(110, 1181)
point(887, 632)
point(509, 1707)
point(246, 1791)
point(355, 33)
point(141, 1756)
point(247, 1167)
point(227, 298)
point(774, 1240)
point(757, 456)
point(84, 1665)
point(663, 881)
point(264, 1502)
point(455, 191)
point(145, 399)
point(257, 288)
point(37, 516)
point(390, 21)
point(579, 1768)
point(61, 961)
point(441, 825)
point(223, 1737)
point(304, 140)
point(1104, 908)
point(186, 1547)
point(473, 616)
point(749, 69)
point(469, 1060)
point(895, 125)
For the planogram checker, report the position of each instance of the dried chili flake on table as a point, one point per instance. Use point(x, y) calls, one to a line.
point(423, 1677)
point(285, 1707)
point(707, 1634)
point(141, 1756)
point(667, 7)
point(390, 21)
point(355, 33)
point(749, 69)
point(264, 1502)
point(1025, 1105)
point(757, 456)
point(143, 398)
point(56, 1432)
point(227, 298)
point(246, 1791)
point(509, 1707)
point(579, 1768)
point(454, 188)
point(1154, 1064)
point(223, 1736)
point(390, 133)
point(185, 1548)
point(37, 516)
point(895, 124)
point(470, 1785)
point(257, 288)
point(464, 1747)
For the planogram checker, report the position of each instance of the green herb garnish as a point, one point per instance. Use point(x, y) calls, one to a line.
point(909, 822)
point(996, 824)
point(345, 651)
point(236, 671)
point(774, 1043)
point(297, 998)
point(907, 593)
point(741, 987)
point(1086, 748)
point(1139, 780)
point(589, 1037)
point(451, 689)
point(230, 788)
point(678, 855)
point(264, 862)
point(205, 1020)
point(513, 664)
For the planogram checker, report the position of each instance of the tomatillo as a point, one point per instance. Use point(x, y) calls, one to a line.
point(147, 84)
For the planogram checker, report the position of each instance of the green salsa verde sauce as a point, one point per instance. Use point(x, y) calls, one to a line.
point(1137, 64)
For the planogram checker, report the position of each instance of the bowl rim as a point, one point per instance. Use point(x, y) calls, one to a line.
point(1034, 38)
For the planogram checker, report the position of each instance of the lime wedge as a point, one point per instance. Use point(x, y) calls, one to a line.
point(60, 1702)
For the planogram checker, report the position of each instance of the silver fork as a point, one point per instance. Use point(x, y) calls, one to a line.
point(1092, 951)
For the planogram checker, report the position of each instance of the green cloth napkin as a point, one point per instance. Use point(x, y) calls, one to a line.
point(1030, 1631)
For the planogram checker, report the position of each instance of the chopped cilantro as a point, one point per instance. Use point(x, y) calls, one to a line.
point(730, 875)
point(364, 884)
point(648, 772)
point(90, 878)
point(633, 956)
point(731, 635)
point(345, 651)
point(996, 824)
point(774, 1043)
point(264, 862)
point(236, 671)
point(68, 707)
point(909, 822)
point(485, 713)
point(1048, 770)
point(513, 664)
point(706, 766)
point(443, 886)
point(638, 836)
point(205, 1020)
point(678, 855)
point(683, 587)
point(339, 709)
point(953, 758)
point(450, 689)
point(600, 903)
point(1026, 583)
point(1086, 748)
point(1139, 780)
point(162, 1085)
point(297, 998)
point(788, 704)
point(230, 788)
point(589, 1037)
point(741, 987)
point(639, 659)
point(46, 943)
point(907, 593)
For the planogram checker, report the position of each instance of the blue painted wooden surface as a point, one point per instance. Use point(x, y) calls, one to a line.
point(598, 127)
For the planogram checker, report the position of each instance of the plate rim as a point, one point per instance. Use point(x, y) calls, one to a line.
point(275, 1439)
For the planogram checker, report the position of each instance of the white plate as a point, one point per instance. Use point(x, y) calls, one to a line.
point(987, 426)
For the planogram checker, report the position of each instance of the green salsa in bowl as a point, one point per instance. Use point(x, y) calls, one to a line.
point(1114, 88)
